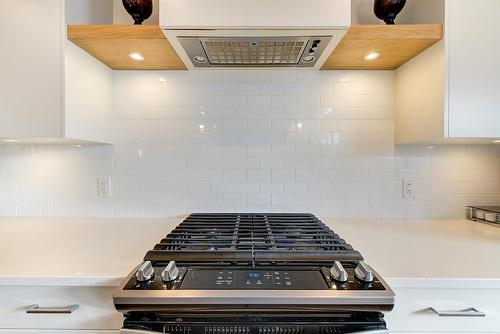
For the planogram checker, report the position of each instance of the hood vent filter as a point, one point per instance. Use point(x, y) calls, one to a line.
point(254, 51)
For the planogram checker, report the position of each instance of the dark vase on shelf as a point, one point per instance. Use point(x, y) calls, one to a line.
point(140, 10)
point(387, 10)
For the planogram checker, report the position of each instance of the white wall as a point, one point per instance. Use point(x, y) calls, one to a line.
point(414, 12)
point(120, 15)
point(252, 154)
point(88, 96)
point(89, 11)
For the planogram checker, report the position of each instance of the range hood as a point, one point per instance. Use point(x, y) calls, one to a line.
point(254, 33)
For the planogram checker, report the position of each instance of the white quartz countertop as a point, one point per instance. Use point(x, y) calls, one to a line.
point(61, 251)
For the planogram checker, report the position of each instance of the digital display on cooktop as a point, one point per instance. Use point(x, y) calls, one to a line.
point(208, 279)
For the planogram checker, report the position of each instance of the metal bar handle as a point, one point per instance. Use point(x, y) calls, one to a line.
point(381, 331)
point(36, 309)
point(468, 312)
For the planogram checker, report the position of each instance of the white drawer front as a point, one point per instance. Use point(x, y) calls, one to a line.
point(52, 331)
point(95, 311)
point(412, 312)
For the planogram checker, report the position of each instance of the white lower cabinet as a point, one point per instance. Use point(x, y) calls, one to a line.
point(95, 309)
point(96, 313)
point(49, 331)
point(413, 314)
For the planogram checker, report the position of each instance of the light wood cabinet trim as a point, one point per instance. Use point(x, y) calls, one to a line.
point(111, 44)
point(396, 44)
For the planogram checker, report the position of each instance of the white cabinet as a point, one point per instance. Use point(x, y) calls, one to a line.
point(49, 89)
point(449, 93)
point(95, 312)
point(37, 331)
point(473, 42)
point(412, 313)
point(30, 58)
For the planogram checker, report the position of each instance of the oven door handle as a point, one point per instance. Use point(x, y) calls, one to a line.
point(139, 331)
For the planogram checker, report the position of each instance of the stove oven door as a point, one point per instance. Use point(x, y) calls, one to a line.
point(332, 323)
point(139, 331)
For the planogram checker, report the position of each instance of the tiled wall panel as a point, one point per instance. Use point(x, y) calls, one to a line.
point(250, 141)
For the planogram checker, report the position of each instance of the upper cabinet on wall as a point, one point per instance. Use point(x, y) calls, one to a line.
point(450, 93)
point(51, 90)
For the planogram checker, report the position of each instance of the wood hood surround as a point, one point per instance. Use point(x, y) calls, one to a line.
point(397, 44)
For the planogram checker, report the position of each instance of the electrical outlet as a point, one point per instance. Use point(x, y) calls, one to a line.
point(409, 188)
point(104, 186)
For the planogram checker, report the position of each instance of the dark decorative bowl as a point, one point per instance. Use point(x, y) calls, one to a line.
point(387, 10)
point(140, 10)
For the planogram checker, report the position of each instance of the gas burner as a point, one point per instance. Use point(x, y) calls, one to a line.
point(244, 238)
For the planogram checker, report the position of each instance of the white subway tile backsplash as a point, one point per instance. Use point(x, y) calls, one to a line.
point(271, 187)
point(223, 187)
point(236, 199)
point(271, 89)
point(259, 76)
point(283, 174)
point(210, 174)
point(283, 150)
point(259, 199)
point(283, 199)
point(259, 101)
point(210, 199)
point(258, 150)
point(284, 101)
point(284, 76)
point(234, 174)
point(272, 113)
point(259, 174)
point(247, 187)
point(226, 141)
point(247, 162)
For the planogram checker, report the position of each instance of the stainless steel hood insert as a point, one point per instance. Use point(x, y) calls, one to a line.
point(221, 34)
point(274, 51)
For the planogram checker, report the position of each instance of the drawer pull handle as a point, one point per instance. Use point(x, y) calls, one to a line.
point(36, 309)
point(468, 312)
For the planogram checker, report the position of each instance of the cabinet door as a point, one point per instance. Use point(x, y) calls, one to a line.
point(38, 331)
point(31, 68)
point(412, 311)
point(473, 42)
point(95, 308)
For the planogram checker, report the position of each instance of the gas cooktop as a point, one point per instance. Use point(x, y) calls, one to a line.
point(258, 264)
point(217, 259)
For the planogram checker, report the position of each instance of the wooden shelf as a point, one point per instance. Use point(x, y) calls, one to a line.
point(111, 44)
point(396, 44)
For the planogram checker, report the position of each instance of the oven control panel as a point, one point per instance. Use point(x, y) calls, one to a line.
point(208, 279)
point(253, 279)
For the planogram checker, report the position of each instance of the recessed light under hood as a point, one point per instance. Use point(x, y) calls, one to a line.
point(258, 33)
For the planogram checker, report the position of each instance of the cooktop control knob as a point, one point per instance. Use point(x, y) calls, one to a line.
point(145, 272)
point(363, 272)
point(170, 273)
point(338, 272)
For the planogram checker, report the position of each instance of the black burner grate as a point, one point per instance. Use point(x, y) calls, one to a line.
point(257, 239)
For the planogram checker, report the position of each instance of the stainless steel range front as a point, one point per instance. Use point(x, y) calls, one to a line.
point(253, 274)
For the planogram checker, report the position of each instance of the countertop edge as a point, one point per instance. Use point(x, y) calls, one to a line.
point(61, 281)
point(445, 283)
